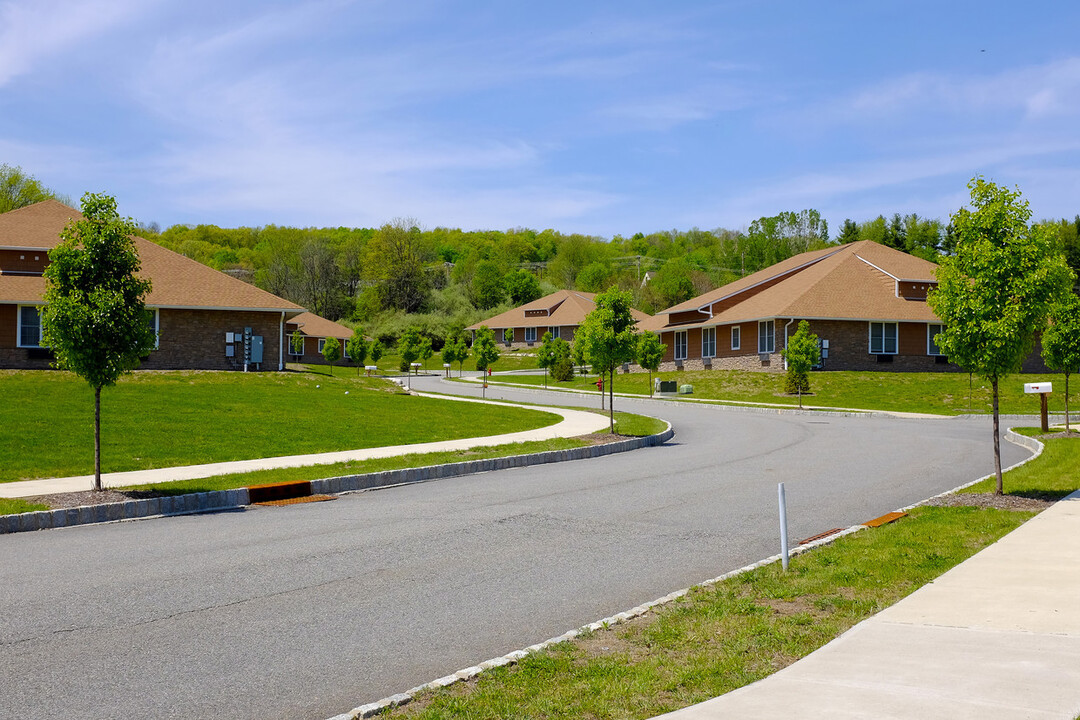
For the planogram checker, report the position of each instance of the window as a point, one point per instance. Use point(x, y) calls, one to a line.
point(736, 337)
point(766, 337)
point(29, 327)
point(530, 334)
point(298, 350)
point(882, 338)
point(554, 333)
point(708, 342)
point(680, 344)
point(345, 349)
point(322, 342)
point(931, 331)
point(155, 324)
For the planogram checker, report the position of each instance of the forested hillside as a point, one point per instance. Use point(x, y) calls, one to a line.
point(442, 279)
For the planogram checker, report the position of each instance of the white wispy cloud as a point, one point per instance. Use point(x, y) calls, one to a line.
point(33, 31)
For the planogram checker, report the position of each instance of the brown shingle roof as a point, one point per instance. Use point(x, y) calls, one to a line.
point(853, 282)
point(313, 325)
point(178, 281)
point(566, 308)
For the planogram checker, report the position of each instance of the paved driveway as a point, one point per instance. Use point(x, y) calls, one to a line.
point(309, 610)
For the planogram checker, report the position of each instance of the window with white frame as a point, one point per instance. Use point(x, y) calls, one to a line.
point(322, 344)
point(297, 349)
point(883, 338)
point(555, 333)
point(345, 349)
point(680, 344)
point(932, 330)
point(29, 330)
point(155, 324)
point(708, 342)
point(736, 337)
point(530, 334)
point(766, 337)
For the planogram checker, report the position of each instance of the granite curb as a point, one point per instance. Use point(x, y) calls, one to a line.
point(218, 500)
point(375, 708)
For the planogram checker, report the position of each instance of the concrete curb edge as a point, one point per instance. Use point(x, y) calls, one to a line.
point(218, 500)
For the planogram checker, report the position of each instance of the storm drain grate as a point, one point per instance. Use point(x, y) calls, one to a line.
point(885, 519)
point(296, 500)
point(821, 536)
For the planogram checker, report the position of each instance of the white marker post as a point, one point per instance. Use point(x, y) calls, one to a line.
point(783, 527)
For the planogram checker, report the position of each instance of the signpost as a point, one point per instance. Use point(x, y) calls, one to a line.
point(1042, 389)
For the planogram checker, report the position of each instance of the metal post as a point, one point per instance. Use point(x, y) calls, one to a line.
point(783, 527)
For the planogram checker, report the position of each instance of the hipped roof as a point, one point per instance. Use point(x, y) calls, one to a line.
point(176, 281)
point(566, 308)
point(857, 281)
point(313, 325)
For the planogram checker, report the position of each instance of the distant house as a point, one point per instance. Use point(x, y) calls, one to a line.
point(560, 313)
point(865, 301)
point(204, 319)
point(314, 330)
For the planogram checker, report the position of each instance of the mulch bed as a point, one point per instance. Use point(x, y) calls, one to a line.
point(992, 500)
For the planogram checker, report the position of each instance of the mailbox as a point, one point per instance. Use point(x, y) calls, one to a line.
point(1038, 388)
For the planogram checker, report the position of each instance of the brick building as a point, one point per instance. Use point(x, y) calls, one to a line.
point(204, 319)
point(865, 301)
point(559, 313)
point(314, 330)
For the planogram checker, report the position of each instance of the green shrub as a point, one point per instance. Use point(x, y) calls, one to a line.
point(563, 369)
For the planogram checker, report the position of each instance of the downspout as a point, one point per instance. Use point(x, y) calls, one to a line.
point(281, 342)
point(786, 338)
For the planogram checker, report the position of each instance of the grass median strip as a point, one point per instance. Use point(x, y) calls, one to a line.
point(943, 393)
point(722, 637)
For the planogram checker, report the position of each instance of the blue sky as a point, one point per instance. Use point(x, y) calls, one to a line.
point(597, 117)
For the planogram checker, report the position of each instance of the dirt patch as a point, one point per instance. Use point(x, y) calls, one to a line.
point(992, 500)
point(604, 438)
point(86, 497)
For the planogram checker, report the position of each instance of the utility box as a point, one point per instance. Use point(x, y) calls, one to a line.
point(256, 349)
point(686, 389)
point(667, 386)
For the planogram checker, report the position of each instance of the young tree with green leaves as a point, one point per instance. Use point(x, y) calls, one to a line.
point(1061, 342)
point(650, 352)
point(409, 348)
point(331, 352)
point(455, 351)
point(802, 353)
point(485, 351)
point(377, 351)
point(95, 320)
point(996, 291)
point(579, 352)
point(358, 349)
point(296, 343)
point(508, 336)
point(545, 355)
point(562, 364)
point(608, 333)
point(424, 351)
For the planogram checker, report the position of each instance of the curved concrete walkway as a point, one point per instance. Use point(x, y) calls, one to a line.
point(574, 423)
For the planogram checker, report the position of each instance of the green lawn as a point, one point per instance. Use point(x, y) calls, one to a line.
point(720, 638)
point(945, 393)
point(163, 419)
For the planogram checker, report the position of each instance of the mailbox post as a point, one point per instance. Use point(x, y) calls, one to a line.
point(1042, 389)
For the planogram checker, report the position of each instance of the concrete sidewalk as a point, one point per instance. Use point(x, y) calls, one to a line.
point(574, 423)
point(996, 637)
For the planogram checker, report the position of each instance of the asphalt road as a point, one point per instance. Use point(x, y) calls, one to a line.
point(309, 610)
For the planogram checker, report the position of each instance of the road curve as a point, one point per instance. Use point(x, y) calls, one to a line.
point(309, 610)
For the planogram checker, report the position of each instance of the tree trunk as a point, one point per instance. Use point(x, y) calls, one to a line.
point(97, 438)
point(997, 442)
point(611, 401)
